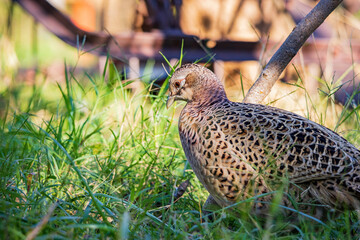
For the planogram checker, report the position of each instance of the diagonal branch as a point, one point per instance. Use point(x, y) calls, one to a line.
point(261, 88)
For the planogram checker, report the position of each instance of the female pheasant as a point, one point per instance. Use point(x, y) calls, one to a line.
point(241, 150)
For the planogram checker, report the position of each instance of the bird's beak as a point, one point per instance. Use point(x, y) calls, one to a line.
point(170, 101)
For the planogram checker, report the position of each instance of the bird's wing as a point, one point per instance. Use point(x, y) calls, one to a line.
point(276, 141)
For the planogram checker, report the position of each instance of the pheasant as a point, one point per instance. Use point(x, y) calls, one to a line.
point(241, 150)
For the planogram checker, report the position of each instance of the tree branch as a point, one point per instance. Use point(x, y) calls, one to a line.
point(261, 88)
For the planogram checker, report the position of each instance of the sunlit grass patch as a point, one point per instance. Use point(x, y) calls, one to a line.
point(109, 162)
point(97, 150)
point(85, 157)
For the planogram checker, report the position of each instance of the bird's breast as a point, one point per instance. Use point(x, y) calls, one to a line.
point(189, 126)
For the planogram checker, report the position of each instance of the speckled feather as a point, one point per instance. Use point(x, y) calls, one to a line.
point(239, 150)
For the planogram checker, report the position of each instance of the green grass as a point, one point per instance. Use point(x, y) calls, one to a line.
point(103, 163)
point(87, 159)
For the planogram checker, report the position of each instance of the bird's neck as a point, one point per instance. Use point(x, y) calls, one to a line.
point(208, 96)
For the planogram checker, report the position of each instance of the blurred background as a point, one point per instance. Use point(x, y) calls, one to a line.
point(235, 37)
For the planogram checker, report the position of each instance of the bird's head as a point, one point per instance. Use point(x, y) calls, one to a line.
point(189, 81)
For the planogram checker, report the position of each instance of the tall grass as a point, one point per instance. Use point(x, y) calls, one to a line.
point(88, 159)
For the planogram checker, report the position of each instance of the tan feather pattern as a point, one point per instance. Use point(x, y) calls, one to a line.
point(239, 150)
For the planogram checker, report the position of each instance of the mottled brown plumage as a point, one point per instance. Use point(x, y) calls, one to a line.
point(240, 150)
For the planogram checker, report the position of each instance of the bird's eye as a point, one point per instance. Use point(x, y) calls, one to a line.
point(177, 84)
